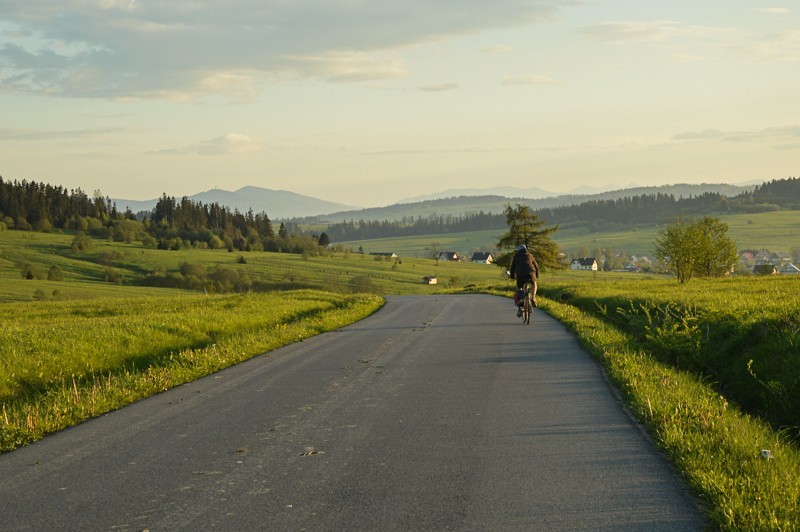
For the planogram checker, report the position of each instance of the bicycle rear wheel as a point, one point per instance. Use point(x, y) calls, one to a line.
point(526, 308)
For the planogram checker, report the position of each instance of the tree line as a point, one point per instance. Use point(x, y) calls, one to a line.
point(175, 223)
point(599, 214)
point(172, 224)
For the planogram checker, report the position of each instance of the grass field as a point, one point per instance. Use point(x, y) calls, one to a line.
point(775, 231)
point(84, 273)
point(690, 359)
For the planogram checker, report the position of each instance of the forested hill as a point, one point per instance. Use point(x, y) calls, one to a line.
point(598, 214)
point(173, 223)
point(462, 204)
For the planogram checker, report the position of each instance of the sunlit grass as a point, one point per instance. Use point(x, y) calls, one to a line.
point(66, 361)
point(716, 447)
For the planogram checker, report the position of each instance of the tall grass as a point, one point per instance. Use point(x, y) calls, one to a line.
point(721, 451)
point(740, 334)
point(66, 361)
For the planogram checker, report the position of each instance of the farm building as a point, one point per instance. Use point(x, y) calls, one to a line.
point(430, 279)
point(385, 254)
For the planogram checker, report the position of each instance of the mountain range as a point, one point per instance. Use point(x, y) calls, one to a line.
point(285, 205)
point(278, 204)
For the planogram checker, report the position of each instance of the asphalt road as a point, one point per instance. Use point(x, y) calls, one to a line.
point(437, 412)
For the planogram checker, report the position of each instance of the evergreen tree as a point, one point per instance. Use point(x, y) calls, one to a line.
point(525, 227)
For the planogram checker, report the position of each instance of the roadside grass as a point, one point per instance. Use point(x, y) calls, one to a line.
point(681, 357)
point(716, 447)
point(66, 361)
point(740, 334)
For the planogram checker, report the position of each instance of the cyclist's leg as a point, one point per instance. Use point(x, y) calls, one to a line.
point(534, 286)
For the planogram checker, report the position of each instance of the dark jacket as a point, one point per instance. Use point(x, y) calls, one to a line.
point(524, 266)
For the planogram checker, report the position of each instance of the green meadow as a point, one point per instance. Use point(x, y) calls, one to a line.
point(711, 368)
point(775, 231)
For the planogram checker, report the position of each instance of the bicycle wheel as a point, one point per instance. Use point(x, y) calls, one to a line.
point(526, 309)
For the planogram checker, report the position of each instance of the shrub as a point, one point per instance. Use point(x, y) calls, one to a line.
point(31, 271)
point(111, 276)
point(55, 274)
point(81, 243)
point(195, 270)
point(362, 284)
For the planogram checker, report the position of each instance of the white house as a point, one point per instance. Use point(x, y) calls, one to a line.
point(584, 263)
point(482, 258)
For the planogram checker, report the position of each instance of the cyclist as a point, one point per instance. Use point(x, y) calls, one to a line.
point(524, 268)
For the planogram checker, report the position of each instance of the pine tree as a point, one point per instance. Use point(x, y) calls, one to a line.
point(525, 227)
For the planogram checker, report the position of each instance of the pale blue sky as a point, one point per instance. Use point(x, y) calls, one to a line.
point(367, 102)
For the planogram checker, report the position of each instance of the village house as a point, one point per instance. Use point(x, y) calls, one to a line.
point(779, 257)
point(449, 255)
point(482, 258)
point(789, 269)
point(584, 263)
point(430, 279)
point(765, 269)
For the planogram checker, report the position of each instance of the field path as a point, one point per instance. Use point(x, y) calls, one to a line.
point(437, 412)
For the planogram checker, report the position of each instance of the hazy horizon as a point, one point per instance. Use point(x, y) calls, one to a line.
point(371, 102)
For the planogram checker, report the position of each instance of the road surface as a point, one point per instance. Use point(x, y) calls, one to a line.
point(437, 412)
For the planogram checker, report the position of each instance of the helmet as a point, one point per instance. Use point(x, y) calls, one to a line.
point(522, 247)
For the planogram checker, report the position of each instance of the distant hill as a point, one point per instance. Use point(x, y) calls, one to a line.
point(506, 192)
point(284, 205)
point(277, 204)
point(494, 204)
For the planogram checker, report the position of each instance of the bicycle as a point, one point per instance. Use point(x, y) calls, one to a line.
point(527, 304)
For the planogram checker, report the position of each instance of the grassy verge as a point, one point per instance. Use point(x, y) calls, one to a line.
point(741, 334)
point(716, 447)
point(66, 361)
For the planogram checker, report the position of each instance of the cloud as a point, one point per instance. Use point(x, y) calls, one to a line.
point(17, 134)
point(773, 10)
point(348, 67)
point(181, 50)
point(232, 143)
point(771, 134)
point(649, 30)
point(441, 87)
point(532, 79)
point(498, 49)
point(779, 47)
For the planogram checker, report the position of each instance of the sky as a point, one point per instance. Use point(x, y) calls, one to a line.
point(368, 102)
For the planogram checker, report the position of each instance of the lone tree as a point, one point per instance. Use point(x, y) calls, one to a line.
point(701, 248)
point(525, 227)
